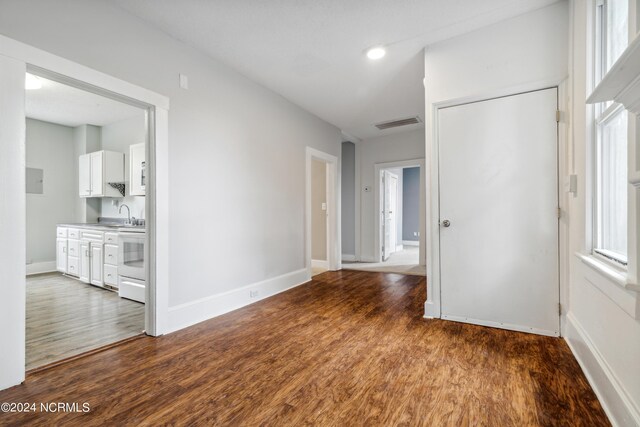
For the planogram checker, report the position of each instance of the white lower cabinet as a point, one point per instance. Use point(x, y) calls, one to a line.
point(97, 262)
point(89, 254)
point(61, 254)
point(85, 262)
point(111, 275)
point(73, 266)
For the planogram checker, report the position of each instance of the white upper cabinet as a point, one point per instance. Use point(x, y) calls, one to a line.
point(137, 170)
point(84, 175)
point(95, 172)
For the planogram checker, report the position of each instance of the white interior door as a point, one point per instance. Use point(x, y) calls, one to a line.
point(498, 212)
point(389, 206)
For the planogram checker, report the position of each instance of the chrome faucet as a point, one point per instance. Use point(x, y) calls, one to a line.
point(128, 212)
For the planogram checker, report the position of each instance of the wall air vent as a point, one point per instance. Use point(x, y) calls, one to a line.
point(397, 123)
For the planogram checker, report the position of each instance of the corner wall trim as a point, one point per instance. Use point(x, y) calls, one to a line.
point(41, 267)
point(188, 314)
point(616, 402)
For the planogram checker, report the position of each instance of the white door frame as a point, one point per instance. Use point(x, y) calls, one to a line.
point(57, 68)
point(378, 238)
point(432, 306)
point(333, 208)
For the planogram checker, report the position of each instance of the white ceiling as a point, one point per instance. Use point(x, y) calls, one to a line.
point(69, 106)
point(312, 51)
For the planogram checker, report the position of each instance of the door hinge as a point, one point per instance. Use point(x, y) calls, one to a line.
point(559, 212)
point(559, 309)
point(557, 116)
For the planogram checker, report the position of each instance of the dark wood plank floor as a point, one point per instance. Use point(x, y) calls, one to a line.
point(348, 348)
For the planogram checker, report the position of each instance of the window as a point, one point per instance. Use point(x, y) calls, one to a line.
point(610, 207)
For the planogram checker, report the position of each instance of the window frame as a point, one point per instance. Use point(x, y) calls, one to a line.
point(602, 113)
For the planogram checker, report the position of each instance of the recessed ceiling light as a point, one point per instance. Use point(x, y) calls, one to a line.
point(376, 52)
point(32, 82)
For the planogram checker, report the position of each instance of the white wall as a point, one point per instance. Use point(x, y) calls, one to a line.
point(348, 202)
point(236, 150)
point(119, 137)
point(390, 148)
point(12, 222)
point(523, 53)
point(603, 320)
point(49, 147)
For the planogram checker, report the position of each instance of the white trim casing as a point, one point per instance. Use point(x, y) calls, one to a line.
point(69, 72)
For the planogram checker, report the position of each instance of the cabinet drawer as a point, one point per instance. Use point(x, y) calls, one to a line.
point(73, 247)
point(111, 275)
point(73, 266)
point(111, 238)
point(111, 254)
point(92, 235)
point(62, 232)
point(73, 233)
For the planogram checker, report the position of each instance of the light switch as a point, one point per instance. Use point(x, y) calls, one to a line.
point(184, 81)
point(324, 206)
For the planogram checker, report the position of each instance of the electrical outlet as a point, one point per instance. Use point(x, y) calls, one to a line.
point(415, 233)
point(253, 294)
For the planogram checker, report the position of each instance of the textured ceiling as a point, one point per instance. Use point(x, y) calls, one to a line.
point(312, 51)
point(68, 106)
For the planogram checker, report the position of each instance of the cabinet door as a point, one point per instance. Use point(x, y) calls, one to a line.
point(61, 255)
point(85, 262)
point(97, 264)
point(84, 175)
point(137, 170)
point(97, 186)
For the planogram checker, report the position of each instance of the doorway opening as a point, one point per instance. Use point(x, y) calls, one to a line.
point(85, 220)
point(399, 219)
point(322, 208)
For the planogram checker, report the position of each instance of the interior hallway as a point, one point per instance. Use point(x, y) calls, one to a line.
point(347, 348)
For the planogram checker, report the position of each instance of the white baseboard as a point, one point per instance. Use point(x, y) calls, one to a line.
point(399, 248)
point(616, 402)
point(41, 267)
point(184, 315)
point(348, 257)
point(320, 263)
point(369, 259)
point(411, 242)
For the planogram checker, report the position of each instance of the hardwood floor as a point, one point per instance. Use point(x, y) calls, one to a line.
point(66, 317)
point(348, 348)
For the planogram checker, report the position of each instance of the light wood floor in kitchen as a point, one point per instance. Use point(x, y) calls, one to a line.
point(349, 348)
point(66, 317)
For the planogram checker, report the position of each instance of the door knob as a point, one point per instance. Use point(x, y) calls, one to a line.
point(446, 223)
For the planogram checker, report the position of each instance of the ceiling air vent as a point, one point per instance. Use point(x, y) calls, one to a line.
point(397, 123)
